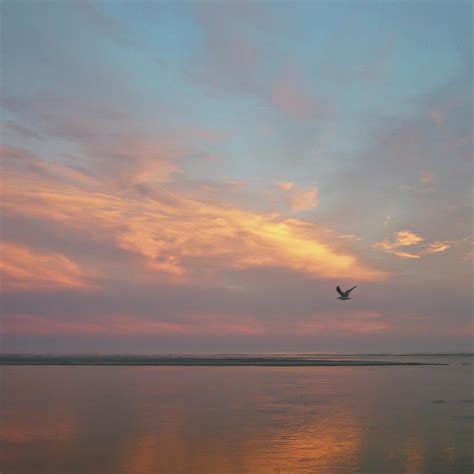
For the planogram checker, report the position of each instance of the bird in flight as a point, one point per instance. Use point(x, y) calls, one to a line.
point(344, 294)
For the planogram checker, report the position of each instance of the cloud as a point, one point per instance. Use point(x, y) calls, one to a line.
point(133, 325)
point(303, 199)
point(405, 255)
point(197, 325)
point(360, 327)
point(284, 185)
point(406, 157)
point(20, 130)
point(351, 237)
point(408, 238)
point(110, 146)
point(22, 162)
point(24, 269)
point(403, 238)
point(178, 236)
point(236, 58)
point(437, 247)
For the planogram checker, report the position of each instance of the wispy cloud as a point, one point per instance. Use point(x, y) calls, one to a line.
point(303, 199)
point(178, 235)
point(24, 269)
point(405, 254)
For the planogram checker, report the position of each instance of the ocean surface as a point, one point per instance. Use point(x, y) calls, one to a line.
point(143, 419)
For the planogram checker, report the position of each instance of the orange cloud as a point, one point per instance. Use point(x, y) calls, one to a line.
point(437, 247)
point(407, 238)
point(24, 269)
point(171, 233)
point(403, 238)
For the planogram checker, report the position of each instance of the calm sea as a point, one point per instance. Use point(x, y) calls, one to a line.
point(141, 420)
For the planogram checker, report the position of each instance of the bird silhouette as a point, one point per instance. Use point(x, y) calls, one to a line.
point(344, 294)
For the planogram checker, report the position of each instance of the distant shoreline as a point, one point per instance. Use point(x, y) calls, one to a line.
point(196, 361)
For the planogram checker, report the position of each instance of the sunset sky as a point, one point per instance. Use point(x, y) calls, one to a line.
point(199, 176)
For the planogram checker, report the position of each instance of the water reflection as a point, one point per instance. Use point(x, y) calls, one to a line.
point(234, 420)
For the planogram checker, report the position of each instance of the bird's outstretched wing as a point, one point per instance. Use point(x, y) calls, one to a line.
point(348, 291)
point(339, 291)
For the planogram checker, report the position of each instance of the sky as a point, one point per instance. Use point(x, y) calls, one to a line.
point(199, 176)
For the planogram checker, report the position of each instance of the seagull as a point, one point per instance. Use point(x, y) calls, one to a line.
point(344, 294)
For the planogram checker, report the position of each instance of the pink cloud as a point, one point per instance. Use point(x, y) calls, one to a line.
point(303, 199)
point(24, 163)
point(363, 323)
point(289, 98)
point(23, 269)
point(129, 325)
point(284, 185)
point(194, 325)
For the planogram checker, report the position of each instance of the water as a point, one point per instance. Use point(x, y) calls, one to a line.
point(140, 420)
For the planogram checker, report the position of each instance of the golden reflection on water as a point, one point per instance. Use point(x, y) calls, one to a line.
point(414, 457)
point(230, 420)
point(318, 444)
point(329, 443)
point(25, 432)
